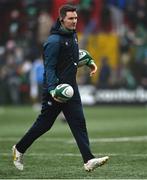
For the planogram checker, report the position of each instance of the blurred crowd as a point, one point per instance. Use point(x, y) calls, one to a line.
point(25, 25)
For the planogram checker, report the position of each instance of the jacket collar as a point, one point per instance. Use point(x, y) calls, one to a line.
point(57, 28)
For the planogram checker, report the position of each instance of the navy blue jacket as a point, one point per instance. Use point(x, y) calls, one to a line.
point(61, 56)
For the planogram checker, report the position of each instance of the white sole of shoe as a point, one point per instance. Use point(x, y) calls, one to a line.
point(98, 164)
point(17, 164)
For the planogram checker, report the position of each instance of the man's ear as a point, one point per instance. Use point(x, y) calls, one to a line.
point(60, 18)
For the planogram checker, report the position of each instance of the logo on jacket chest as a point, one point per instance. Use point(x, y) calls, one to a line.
point(76, 40)
point(66, 43)
point(69, 43)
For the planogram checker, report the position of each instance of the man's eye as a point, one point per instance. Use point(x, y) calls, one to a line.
point(73, 18)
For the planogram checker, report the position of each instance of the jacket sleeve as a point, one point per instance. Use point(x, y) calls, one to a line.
point(51, 51)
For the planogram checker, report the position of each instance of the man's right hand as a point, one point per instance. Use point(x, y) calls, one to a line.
point(52, 92)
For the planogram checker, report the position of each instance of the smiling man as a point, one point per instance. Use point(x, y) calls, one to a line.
point(61, 60)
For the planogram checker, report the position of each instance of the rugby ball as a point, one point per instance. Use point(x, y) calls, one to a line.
point(83, 55)
point(64, 92)
point(84, 58)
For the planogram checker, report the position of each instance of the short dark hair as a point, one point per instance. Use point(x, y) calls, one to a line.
point(65, 8)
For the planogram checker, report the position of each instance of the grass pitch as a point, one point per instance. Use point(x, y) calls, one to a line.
point(120, 132)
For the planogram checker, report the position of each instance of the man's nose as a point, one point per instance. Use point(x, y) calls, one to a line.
point(75, 20)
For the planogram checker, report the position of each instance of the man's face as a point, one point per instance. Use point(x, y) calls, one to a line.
point(70, 20)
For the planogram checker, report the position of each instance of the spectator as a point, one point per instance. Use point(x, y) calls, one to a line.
point(104, 74)
point(36, 80)
point(45, 22)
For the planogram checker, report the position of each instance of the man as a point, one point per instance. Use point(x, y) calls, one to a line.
point(61, 60)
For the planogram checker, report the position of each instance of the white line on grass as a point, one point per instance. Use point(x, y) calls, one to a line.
point(121, 139)
point(75, 154)
point(93, 140)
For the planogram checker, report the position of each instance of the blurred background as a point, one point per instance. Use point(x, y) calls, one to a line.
point(113, 31)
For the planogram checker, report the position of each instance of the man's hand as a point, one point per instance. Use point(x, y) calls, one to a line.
point(93, 68)
point(58, 100)
point(52, 92)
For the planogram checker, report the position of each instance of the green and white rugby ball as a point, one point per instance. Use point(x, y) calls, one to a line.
point(84, 58)
point(83, 54)
point(64, 92)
